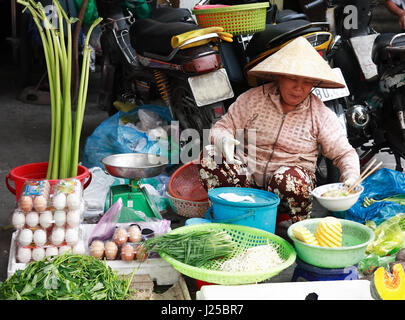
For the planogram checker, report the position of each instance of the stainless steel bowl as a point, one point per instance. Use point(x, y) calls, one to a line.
point(134, 165)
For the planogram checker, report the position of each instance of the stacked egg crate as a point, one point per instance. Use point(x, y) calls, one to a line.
point(47, 220)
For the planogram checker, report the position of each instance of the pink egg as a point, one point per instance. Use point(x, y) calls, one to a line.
point(26, 203)
point(127, 253)
point(40, 203)
point(120, 236)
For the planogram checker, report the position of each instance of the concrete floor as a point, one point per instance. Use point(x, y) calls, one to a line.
point(25, 135)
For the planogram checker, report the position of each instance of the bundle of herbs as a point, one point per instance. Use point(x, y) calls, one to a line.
point(65, 137)
point(66, 277)
point(194, 247)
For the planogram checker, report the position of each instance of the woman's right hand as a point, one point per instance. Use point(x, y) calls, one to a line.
point(228, 150)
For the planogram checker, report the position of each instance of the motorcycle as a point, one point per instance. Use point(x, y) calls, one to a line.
point(139, 65)
point(375, 109)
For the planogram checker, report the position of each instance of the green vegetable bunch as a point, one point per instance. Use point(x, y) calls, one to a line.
point(398, 198)
point(65, 138)
point(194, 248)
point(66, 277)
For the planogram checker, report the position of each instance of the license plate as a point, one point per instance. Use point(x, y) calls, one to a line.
point(211, 87)
point(326, 94)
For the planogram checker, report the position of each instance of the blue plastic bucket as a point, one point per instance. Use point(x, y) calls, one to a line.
point(261, 213)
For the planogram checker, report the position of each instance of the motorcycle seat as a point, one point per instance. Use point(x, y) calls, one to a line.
point(169, 14)
point(287, 15)
point(380, 53)
point(153, 36)
point(260, 40)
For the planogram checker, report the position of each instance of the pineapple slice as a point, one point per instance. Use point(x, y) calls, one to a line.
point(329, 232)
point(303, 234)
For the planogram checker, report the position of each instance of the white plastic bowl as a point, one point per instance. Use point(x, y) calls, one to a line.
point(336, 203)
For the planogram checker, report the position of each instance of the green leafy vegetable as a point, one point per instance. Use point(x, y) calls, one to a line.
point(399, 198)
point(66, 277)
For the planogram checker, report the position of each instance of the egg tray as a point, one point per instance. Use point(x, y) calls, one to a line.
point(14, 264)
point(158, 269)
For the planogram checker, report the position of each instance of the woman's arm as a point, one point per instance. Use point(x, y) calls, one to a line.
point(235, 118)
point(335, 146)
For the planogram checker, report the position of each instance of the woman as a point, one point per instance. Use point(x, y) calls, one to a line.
point(282, 125)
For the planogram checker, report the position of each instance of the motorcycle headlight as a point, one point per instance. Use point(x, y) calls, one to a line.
point(358, 116)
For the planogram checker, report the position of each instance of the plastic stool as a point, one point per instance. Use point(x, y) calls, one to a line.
point(307, 272)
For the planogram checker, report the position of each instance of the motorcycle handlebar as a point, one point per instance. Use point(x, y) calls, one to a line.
point(313, 4)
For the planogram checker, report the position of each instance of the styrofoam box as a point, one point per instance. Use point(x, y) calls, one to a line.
point(326, 290)
point(158, 269)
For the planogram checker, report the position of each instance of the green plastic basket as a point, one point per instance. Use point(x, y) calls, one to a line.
point(238, 19)
point(355, 239)
point(245, 237)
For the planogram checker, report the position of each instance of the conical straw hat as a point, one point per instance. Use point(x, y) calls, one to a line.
point(298, 58)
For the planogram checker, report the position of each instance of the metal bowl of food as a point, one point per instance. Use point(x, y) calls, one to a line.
point(335, 196)
point(134, 165)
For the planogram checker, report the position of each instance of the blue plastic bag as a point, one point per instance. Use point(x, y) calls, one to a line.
point(382, 184)
point(112, 137)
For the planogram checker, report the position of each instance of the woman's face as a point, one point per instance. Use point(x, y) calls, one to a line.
point(294, 89)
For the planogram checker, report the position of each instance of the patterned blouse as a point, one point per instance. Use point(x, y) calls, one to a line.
point(294, 138)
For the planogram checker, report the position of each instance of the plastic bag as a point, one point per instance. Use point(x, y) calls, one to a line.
point(389, 236)
point(372, 261)
point(114, 135)
point(382, 184)
point(105, 228)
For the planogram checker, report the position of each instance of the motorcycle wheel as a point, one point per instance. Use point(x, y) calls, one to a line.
point(185, 109)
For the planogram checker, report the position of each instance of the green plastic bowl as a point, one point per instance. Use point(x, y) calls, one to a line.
point(355, 239)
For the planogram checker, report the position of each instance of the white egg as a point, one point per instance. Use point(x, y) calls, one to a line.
point(73, 201)
point(25, 237)
point(24, 255)
point(64, 249)
point(59, 201)
point(51, 251)
point(79, 248)
point(72, 236)
point(32, 219)
point(38, 254)
point(73, 218)
point(82, 208)
point(46, 219)
point(60, 218)
point(40, 237)
point(58, 235)
point(18, 219)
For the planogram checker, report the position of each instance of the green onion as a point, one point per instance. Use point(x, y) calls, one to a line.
point(195, 248)
point(65, 138)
